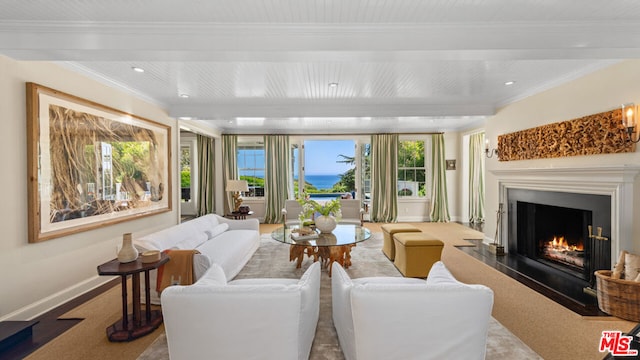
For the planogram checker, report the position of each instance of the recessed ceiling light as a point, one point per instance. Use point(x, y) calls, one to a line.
point(184, 96)
point(333, 84)
point(185, 118)
point(137, 69)
point(509, 83)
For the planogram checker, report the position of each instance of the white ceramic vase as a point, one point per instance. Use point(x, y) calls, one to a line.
point(325, 224)
point(128, 252)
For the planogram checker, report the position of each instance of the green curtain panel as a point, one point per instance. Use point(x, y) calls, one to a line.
point(439, 202)
point(384, 177)
point(476, 178)
point(206, 166)
point(276, 179)
point(230, 168)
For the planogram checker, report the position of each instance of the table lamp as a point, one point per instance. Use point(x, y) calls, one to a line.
point(237, 187)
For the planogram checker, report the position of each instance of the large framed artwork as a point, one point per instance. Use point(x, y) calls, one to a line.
point(90, 165)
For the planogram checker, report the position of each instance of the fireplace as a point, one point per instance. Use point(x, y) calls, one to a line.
point(600, 196)
point(559, 230)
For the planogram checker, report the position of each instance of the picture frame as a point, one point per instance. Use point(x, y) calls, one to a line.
point(90, 165)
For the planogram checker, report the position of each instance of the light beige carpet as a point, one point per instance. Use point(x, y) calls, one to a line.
point(551, 330)
point(272, 260)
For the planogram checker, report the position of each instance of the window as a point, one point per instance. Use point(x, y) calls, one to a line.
point(185, 173)
point(250, 157)
point(365, 166)
point(295, 170)
point(412, 172)
point(188, 173)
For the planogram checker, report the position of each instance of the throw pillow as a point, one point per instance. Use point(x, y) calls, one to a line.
point(214, 276)
point(191, 242)
point(142, 246)
point(439, 274)
point(631, 266)
point(217, 230)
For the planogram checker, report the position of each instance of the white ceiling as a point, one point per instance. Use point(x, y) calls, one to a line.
point(265, 66)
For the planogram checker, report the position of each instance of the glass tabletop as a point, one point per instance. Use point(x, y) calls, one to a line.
point(343, 234)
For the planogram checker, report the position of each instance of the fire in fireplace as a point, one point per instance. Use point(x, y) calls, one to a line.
point(555, 230)
point(564, 252)
point(554, 235)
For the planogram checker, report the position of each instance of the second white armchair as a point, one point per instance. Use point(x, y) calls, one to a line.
point(382, 318)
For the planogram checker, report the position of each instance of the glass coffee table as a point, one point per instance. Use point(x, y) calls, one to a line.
point(327, 247)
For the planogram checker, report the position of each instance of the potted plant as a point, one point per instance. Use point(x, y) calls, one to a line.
point(329, 212)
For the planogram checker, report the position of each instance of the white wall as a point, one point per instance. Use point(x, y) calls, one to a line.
point(37, 277)
point(597, 92)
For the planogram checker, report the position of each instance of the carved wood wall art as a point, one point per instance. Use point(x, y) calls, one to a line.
point(601, 133)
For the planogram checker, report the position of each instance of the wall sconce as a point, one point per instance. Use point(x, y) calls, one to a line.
point(487, 152)
point(237, 187)
point(629, 121)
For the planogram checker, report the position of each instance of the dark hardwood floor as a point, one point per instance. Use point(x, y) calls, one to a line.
point(50, 326)
point(558, 287)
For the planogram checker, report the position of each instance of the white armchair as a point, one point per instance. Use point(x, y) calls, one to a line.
point(290, 212)
point(242, 319)
point(352, 211)
point(401, 318)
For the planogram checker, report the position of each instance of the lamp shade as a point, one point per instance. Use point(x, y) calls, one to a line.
point(237, 185)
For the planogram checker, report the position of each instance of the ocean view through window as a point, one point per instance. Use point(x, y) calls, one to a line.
point(322, 182)
point(329, 167)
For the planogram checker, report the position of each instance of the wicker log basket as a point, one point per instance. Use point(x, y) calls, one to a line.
point(618, 297)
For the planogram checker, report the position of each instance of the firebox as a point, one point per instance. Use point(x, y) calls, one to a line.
point(555, 236)
point(557, 230)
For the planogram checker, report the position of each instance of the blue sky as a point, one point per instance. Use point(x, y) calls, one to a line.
point(321, 156)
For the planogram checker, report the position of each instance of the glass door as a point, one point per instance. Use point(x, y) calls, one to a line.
point(329, 169)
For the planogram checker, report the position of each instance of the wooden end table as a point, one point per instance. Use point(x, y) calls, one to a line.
point(239, 215)
point(136, 324)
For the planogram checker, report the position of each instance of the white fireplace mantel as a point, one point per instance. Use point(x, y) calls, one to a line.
point(616, 181)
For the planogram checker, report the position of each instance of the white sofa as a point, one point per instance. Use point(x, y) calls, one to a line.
point(242, 319)
point(401, 318)
point(228, 243)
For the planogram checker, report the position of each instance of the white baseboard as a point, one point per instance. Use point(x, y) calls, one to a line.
point(42, 306)
point(412, 219)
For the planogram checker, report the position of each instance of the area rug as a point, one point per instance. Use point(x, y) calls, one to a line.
point(272, 261)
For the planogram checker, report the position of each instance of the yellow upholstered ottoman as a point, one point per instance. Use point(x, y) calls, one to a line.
point(388, 247)
point(416, 253)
